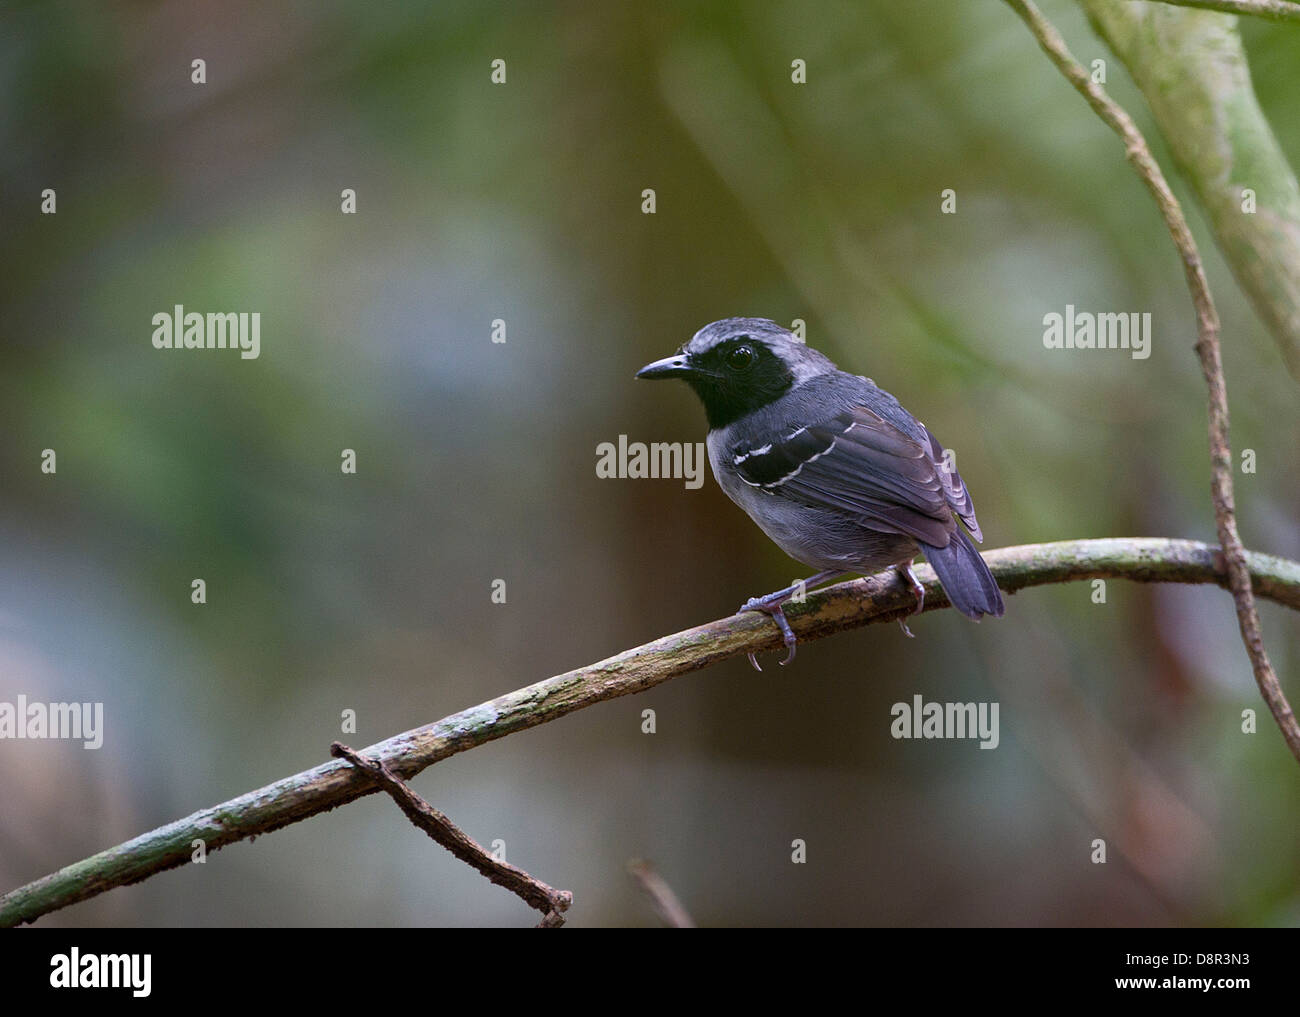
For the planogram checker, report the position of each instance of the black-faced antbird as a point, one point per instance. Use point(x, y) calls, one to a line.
point(829, 466)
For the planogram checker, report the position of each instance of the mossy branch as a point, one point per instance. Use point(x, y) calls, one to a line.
point(840, 608)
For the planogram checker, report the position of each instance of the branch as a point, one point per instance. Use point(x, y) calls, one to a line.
point(552, 903)
point(1192, 70)
point(842, 607)
point(1207, 350)
point(1273, 10)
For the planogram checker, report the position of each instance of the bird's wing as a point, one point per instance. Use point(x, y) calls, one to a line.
point(860, 465)
point(954, 488)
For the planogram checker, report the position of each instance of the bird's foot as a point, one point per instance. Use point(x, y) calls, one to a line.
point(773, 604)
point(905, 572)
point(774, 607)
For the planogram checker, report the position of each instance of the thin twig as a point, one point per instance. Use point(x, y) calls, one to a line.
point(552, 903)
point(1193, 71)
point(1273, 10)
point(661, 895)
point(842, 607)
point(1207, 350)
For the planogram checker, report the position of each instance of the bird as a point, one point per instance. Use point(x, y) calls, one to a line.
point(831, 467)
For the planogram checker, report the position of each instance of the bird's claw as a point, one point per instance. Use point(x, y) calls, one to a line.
point(918, 591)
point(778, 615)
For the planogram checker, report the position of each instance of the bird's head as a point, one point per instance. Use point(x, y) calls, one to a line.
point(739, 365)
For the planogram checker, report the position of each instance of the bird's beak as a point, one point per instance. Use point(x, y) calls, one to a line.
point(675, 366)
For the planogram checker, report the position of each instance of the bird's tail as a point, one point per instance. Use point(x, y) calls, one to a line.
point(965, 578)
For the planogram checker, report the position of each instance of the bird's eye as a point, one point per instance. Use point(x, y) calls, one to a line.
point(740, 358)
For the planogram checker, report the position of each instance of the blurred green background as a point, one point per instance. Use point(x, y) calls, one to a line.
point(476, 460)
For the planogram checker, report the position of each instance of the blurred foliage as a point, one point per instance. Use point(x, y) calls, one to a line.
point(476, 460)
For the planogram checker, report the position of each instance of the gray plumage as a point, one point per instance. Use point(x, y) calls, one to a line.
point(831, 467)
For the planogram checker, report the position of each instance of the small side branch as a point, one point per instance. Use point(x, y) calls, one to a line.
point(550, 902)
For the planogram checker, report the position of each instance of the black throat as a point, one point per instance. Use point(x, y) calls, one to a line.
point(729, 394)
